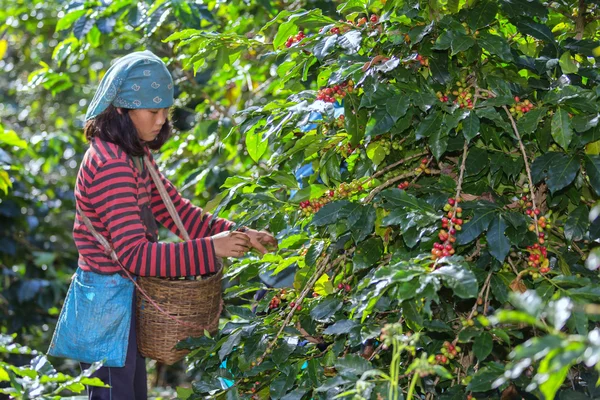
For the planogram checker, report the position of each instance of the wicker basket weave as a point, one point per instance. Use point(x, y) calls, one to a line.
point(196, 302)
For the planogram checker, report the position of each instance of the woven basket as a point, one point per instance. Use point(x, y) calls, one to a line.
point(196, 302)
point(187, 307)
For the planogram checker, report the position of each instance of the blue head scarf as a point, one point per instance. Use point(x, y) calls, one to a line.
point(137, 80)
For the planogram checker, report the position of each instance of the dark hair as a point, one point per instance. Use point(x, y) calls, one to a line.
point(120, 130)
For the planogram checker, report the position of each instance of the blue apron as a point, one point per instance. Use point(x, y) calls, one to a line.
point(95, 319)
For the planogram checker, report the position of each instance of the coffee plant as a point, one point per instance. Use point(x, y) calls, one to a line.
point(430, 168)
point(444, 255)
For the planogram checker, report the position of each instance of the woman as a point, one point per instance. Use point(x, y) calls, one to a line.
point(117, 198)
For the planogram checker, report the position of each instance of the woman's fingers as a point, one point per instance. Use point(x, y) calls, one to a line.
point(240, 247)
point(258, 246)
point(240, 236)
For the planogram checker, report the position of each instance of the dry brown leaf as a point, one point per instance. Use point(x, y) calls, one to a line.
point(518, 286)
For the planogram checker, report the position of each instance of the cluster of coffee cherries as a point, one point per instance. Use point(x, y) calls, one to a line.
point(521, 108)
point(296, 305)
point(451, 223)
point(339, 121)
point(385, 144)
point(310, 207)
point(470, 397)
point(449, 352)
point(346, 149)
point(422, 168)
point(463, 95)
point(337, 92)
point(466, 322)
point(373, 19)
point(254, 387)
point(538, 258)
point(344, 286)
point(295, 39)
point(276, 300)
point(424, 61)
point(404, 185)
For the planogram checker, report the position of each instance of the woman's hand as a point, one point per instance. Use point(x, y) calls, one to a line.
point(260, 239)
point(231, 244)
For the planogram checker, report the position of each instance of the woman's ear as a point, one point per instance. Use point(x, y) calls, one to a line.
point(120, 110)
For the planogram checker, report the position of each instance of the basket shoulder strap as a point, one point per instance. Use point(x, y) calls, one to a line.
point(166, 198)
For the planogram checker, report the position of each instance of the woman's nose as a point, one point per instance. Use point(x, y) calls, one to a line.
point(162, 117)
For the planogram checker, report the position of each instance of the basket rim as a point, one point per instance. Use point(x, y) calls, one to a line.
point(216, 276)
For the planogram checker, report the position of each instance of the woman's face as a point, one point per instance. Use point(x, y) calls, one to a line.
point(148, 121)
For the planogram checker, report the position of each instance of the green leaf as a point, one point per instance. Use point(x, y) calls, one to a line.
point(314, 252)
point(356, 120)
point(555, 379)
point(325, 309)
point(340, 327)
point(470, 126)
point(438, 64)
point(567, 63)
point(530, 121)
point(538, 31)
point(458, 278)
point(483, 379)
point(528, 8)
point(482, 14)
point(592, 168)
point(424, 100)
point(482, 347)
point(69, 19)
point(407, 211)
point(367, 253)
point(493, 115)
point(324, 46)
point(558, 169)
point(350, 41)
point(256, 145)
point(499, 245)
point(429, 125)
point(380, 122)
point(577, 223)
point(461, 43)
point(376, 152)
point(495, 45)
point(352, 365)
point(184, 393)
point(417, 33)
point(397, 106)
point(477, 161)
point(282, 352)
point(330, 213)
point(482, 218)
point(232, 341)
point(438, 142)
point(10, 138)
point(365, 224)
point(561, 128)
point(285, 30)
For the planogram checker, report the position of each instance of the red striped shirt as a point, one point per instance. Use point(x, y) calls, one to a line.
point(111, 192)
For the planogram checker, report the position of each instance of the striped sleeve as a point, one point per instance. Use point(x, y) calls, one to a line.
point(195, 220)
point(113, 195)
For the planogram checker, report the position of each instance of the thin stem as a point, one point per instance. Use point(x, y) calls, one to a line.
point(524, 153)
point(411, 389)
point(394, 165)
point(393, 180)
